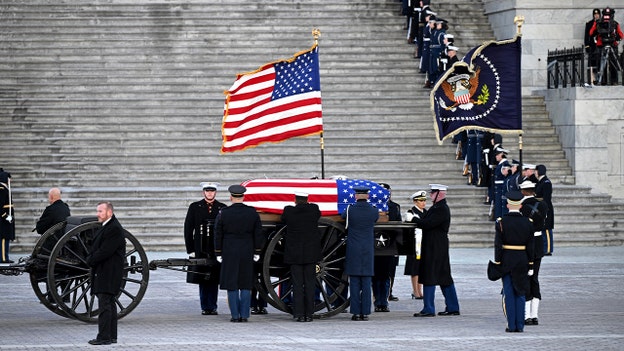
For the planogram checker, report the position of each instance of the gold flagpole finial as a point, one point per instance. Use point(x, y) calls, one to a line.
point(519, 21)
point(316, 33)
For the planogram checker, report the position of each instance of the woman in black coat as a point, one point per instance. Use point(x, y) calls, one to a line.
point(302, 250)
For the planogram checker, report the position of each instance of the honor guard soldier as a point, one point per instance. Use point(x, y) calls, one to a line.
point(543, 192)
point(238, 243)
point(514, 252)
point(537, 211)
point(499, 180)
point(199, 242)
point(7, 221)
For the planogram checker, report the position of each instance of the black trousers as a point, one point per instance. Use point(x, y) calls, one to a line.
point(304, 284)
point(107, 319)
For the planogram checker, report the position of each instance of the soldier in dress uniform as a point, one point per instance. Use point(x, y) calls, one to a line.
point(543, 192)
point(360, 223)
point(537, 211)
point(436, 48)
point(238, 244)
point(199, 242)
point(7, 219)
point(302, 251)
point(499, 180)
point(435, 264)
point(424, 58)
point(514, 252)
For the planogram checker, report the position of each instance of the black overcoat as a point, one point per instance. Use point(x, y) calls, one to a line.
point(543, 191)
point(7, 229)
point(199, 238)
point(56, 212)
point(238, 236)
point(517, 230)
point(435, 265)
point(107, 258)
point(302, 238)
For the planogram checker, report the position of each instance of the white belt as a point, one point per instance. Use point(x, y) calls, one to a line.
point(537, 234)
point(499, 181)
point(426, 39)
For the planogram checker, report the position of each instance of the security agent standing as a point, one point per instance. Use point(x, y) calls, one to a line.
point(360, 222)
point(514, 252)
point(7, 219)
point(593, 56)
point(435, 265)
point(537, 211)
point(199, 242)
point(107, 260)
point(543, 192)
point(385, 266)
point(302, 251)
point(238, 243)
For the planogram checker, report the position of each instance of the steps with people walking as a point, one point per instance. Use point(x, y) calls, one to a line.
point(123, 101)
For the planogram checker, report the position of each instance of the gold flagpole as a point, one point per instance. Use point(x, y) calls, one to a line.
point(519, 21)
point(316, 33)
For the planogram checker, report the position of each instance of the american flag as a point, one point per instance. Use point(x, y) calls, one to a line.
point(278, 101)
point(331, 195)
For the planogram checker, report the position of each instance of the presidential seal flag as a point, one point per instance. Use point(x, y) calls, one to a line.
point(482, 92)
point(278, 101)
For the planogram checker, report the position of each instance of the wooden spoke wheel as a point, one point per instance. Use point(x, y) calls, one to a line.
point(69, 276)
point(38, 267)
point(331, 282)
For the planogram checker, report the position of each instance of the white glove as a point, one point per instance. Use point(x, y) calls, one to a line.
point(256, 258)
point(409, 216)
point(530, 272)
point(192, 255)
point(219, 259)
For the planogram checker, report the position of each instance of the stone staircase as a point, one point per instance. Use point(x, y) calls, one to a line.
point(123, 101)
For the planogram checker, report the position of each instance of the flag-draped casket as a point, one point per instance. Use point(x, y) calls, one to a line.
point(331, 195)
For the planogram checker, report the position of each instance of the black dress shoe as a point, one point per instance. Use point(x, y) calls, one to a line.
point(393, 298)
point(447, 313)
point(363, 317)
point(509, 330)
point(254, 310)
point(113, 341)
point(262, 310)
point(420, 314)
point(243, 320)
point(309, 319)
point(99, 342)
point(210, 312)
point(301, 319)
point(528, 321)
point(534, 321)
point(234, 320)
point(355, 317)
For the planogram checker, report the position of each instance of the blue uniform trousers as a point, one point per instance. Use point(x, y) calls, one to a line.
point(513, 305)
point(239, 302)
point(360, 294)
point(208, 293)
point(450, 299)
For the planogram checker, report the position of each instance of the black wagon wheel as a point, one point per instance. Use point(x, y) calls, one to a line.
point(331, 281)
point(38, 267)
point(70, 275)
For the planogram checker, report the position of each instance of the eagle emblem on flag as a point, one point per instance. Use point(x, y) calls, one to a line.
point(460, 89)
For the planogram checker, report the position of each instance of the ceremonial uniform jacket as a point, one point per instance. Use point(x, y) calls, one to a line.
point(238, 236)
point(302, 239)
point(7, 229)
point(435, 265)
point(199, 238)
point(361, 218)
point(107, 258)
point(56, 212)
point(514, 248)
point(537, 211)
point(543, 192)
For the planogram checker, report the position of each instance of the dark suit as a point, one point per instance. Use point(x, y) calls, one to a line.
point(359, 262)
point(302, 250)
point(107, 259)
point(238, 236)
point(513, 249)
point(199, 238)
point(543, 192)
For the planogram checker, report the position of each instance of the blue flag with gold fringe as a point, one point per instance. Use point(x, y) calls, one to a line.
point(483, 91)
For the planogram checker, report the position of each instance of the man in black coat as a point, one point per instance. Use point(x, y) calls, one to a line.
point(107, 259)
point(238, 243)
point(514, 252)
point(302, 250)
point(385, 266)
point(199, 241)
point(7, 220)
point(435, 264)
point(57, 211)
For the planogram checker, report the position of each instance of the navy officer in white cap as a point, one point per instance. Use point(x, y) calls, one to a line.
point(435, 265)
point(238, 243)
point(199, 242)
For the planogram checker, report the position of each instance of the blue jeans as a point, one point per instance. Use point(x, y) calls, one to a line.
point(450, 298)
point(239, 301)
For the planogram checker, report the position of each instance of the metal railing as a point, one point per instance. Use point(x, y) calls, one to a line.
point(566, 68)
